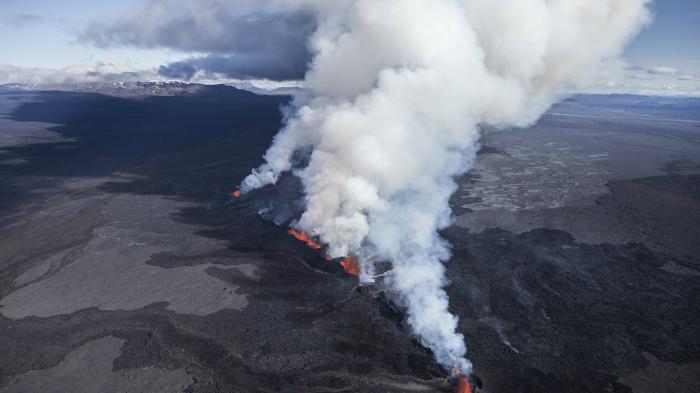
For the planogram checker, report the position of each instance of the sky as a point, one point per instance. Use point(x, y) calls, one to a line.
point(43, 33)
point(672, 40)
point(213, 41)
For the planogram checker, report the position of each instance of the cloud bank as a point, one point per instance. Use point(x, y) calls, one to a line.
point(100, 72)
point(397, 92)
point(236, 38)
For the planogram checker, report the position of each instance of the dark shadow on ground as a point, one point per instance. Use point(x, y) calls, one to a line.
point(107, 134)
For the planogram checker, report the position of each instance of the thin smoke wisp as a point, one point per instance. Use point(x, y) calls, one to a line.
point(395, 97)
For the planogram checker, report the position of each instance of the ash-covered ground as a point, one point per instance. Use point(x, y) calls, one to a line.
point(126, 265)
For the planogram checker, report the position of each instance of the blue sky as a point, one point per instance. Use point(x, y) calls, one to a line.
point(673, 40)
point(44, 33)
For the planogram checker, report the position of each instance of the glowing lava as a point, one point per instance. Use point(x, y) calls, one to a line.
point(351, 266)
point(236, 194)
point(301, 235)
point(463, 384)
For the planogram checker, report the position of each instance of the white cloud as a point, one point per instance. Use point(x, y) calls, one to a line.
point(99, 72)
point(619, 77)
point(662, 71)
point(643, 77)
point(689, 78)
point(112, 73)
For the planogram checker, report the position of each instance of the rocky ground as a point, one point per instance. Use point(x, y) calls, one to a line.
point(125, 264)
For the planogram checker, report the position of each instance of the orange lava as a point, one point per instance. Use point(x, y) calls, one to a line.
point(351, 266)
point(463, 384)
point(236, 194)
point(301, 235)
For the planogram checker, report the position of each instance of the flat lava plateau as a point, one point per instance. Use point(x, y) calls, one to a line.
point(126, 264)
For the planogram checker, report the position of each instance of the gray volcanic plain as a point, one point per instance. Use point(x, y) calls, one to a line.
point(127, 266)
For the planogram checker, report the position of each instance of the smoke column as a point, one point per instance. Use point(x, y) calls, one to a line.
point(396, 93)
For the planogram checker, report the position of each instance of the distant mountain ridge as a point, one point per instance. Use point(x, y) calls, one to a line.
point(684, 108)
point(146, 89)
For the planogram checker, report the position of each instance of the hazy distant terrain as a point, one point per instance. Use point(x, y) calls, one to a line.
point(126, 265)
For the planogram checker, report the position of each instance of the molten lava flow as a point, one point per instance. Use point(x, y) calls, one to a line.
point(351, 266)
point(463, 384)
point(301, 235)
point(236, 194)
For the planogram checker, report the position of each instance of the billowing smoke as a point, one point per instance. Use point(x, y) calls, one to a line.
point(397, 92)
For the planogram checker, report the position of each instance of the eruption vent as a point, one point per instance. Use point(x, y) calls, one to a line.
point(462, 384)
point(395, 95)
point(351, 266)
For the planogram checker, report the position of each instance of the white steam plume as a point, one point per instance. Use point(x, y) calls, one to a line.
point(397, 91)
